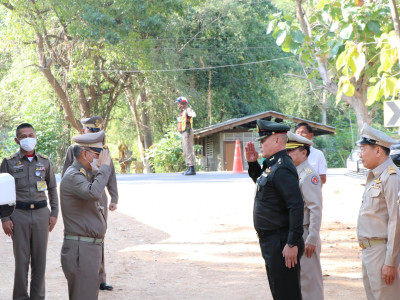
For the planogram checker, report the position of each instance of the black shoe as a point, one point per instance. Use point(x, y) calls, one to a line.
point(191, 171)
point(106, 287)
point(184, 173)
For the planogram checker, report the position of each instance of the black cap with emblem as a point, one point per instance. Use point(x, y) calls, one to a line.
point(267, 128)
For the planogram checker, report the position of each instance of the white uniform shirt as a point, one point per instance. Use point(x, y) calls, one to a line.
point(317, 161)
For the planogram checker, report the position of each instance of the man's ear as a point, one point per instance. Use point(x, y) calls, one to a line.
point(16, 140)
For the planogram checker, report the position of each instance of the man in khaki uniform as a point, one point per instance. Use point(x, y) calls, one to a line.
point(378, 228)
point(30, 223)
point(90, 125)
point(84, 222)
point(185, 128)
point(298, 148)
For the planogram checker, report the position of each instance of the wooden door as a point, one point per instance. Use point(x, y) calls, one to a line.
point(229, 154)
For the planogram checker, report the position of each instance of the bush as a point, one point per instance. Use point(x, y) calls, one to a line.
point(166, 155)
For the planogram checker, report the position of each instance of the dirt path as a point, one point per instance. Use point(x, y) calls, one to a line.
point(178, 239)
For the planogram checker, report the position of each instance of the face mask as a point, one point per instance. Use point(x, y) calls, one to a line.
point(28, 144)
point(93, 164)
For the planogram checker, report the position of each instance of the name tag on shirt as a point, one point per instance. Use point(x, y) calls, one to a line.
point(41, 186)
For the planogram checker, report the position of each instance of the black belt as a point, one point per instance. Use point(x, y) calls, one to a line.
point(31, 205)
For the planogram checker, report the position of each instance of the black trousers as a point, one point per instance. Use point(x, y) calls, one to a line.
point(283, 282)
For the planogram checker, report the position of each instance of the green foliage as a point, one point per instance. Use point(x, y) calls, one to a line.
point(166, 155)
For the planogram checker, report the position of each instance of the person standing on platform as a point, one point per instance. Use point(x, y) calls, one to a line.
point(278, 210)
point(378, 225)
point(91, 125)
point(30, 223)
point(316, 158)
point(298, 148)
point(81, 190)
point(185, 128)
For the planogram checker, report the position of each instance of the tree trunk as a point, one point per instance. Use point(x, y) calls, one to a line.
point(395, 18)
point(359, 100)
point(209, 96)
point(130, 95)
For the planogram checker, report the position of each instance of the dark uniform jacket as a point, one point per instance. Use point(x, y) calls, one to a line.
point(27, 175)
point(278, 204)
point(80, 201)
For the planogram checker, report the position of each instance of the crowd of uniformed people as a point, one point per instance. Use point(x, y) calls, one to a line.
point(287, 211)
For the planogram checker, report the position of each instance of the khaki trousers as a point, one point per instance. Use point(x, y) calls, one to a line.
point(312, 287)
point(102, 273)
point(187, 146)
point(81, 265)
point(373, 259)
point(31, 233)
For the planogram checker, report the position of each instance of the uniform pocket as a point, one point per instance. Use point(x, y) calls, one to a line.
point(374, 199)
point(21, 179)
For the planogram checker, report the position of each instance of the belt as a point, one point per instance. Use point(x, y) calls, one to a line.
point(265, 233)
point(364, 244)
point(83, 239)
point(31, 205)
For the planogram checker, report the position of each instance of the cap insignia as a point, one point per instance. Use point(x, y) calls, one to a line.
point(83, 171)
point(97, 123)
point(258, 129)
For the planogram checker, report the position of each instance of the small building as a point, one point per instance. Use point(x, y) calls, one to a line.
point(218, 140)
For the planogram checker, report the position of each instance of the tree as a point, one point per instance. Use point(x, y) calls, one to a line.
point(323, 32)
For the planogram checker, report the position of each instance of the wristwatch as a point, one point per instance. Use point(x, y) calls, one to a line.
point(290, 245)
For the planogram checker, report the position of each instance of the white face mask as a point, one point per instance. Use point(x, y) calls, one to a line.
point(94, 165)
point(28, 144)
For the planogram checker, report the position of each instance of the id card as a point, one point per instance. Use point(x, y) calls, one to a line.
point(41, 186)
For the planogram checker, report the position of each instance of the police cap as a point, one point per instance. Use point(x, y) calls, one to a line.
point(295, 141)
point(91, 140)
point(372, 136)
point(267, 128)
point(93, 123)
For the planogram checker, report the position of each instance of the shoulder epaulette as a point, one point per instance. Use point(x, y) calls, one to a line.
point(392, 170)
point(42, 155)
point(82, 170)
point(308, 170)
point(11, 156)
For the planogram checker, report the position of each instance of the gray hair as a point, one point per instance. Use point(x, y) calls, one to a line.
point(77, 150)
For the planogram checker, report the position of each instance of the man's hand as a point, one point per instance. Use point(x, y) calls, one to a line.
point(388, 274)
point(290, 255)
point(250, 152)
point(309, 250)
point(8, 228)
point(105, 157)
point(52, 223)
point(112, 206)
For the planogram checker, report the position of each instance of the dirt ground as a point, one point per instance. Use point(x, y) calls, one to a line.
point(175, 237)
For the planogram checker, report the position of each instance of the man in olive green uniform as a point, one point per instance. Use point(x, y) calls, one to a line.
point(378, 226)
point(298, 148)
point(84, 222)
point(90, 125)
point(278, 210)
point(30, 223)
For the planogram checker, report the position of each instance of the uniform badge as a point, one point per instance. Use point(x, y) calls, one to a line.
point(391, 170)
point(41, 186)
point(315, 180)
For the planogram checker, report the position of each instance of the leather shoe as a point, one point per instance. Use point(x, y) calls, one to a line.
point(105, 287)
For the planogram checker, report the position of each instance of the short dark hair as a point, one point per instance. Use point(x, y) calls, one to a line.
point(309, 128)
point(21, 126)
point(77, 150)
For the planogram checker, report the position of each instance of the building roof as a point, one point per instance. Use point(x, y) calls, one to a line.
point(250, 122)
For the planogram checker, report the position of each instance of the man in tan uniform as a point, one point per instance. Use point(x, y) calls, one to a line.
point(84, 222)
point(90, 125)
point(30, 223)
point(298, 148)
point(185, 127)
point(378, 228)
